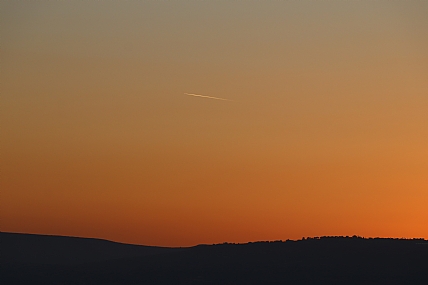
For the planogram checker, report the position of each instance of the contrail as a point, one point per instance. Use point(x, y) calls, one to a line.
point(203, 96)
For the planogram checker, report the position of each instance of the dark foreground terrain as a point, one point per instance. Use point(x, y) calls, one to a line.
point(36, 259)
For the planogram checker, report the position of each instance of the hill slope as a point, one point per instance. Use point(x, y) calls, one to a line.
point(45, 249)
point(329, 260)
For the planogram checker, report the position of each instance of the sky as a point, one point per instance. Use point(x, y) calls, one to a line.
point(324, 130)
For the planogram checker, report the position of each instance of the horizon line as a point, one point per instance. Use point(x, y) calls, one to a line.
point(424, 241)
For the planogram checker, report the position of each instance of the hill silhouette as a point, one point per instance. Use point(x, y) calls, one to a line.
point(45, 249)
point(37, 259)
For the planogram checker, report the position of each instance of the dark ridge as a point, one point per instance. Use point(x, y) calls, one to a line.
point(320, 260)
point(48, 249)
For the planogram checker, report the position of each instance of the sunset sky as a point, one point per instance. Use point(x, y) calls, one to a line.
point(324, 130)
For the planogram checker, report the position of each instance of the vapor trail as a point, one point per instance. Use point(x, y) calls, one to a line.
point(203, 96)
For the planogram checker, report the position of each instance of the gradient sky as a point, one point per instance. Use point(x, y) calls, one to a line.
point(326, 133)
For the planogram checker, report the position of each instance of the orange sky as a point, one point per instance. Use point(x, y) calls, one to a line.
point(327, 133)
